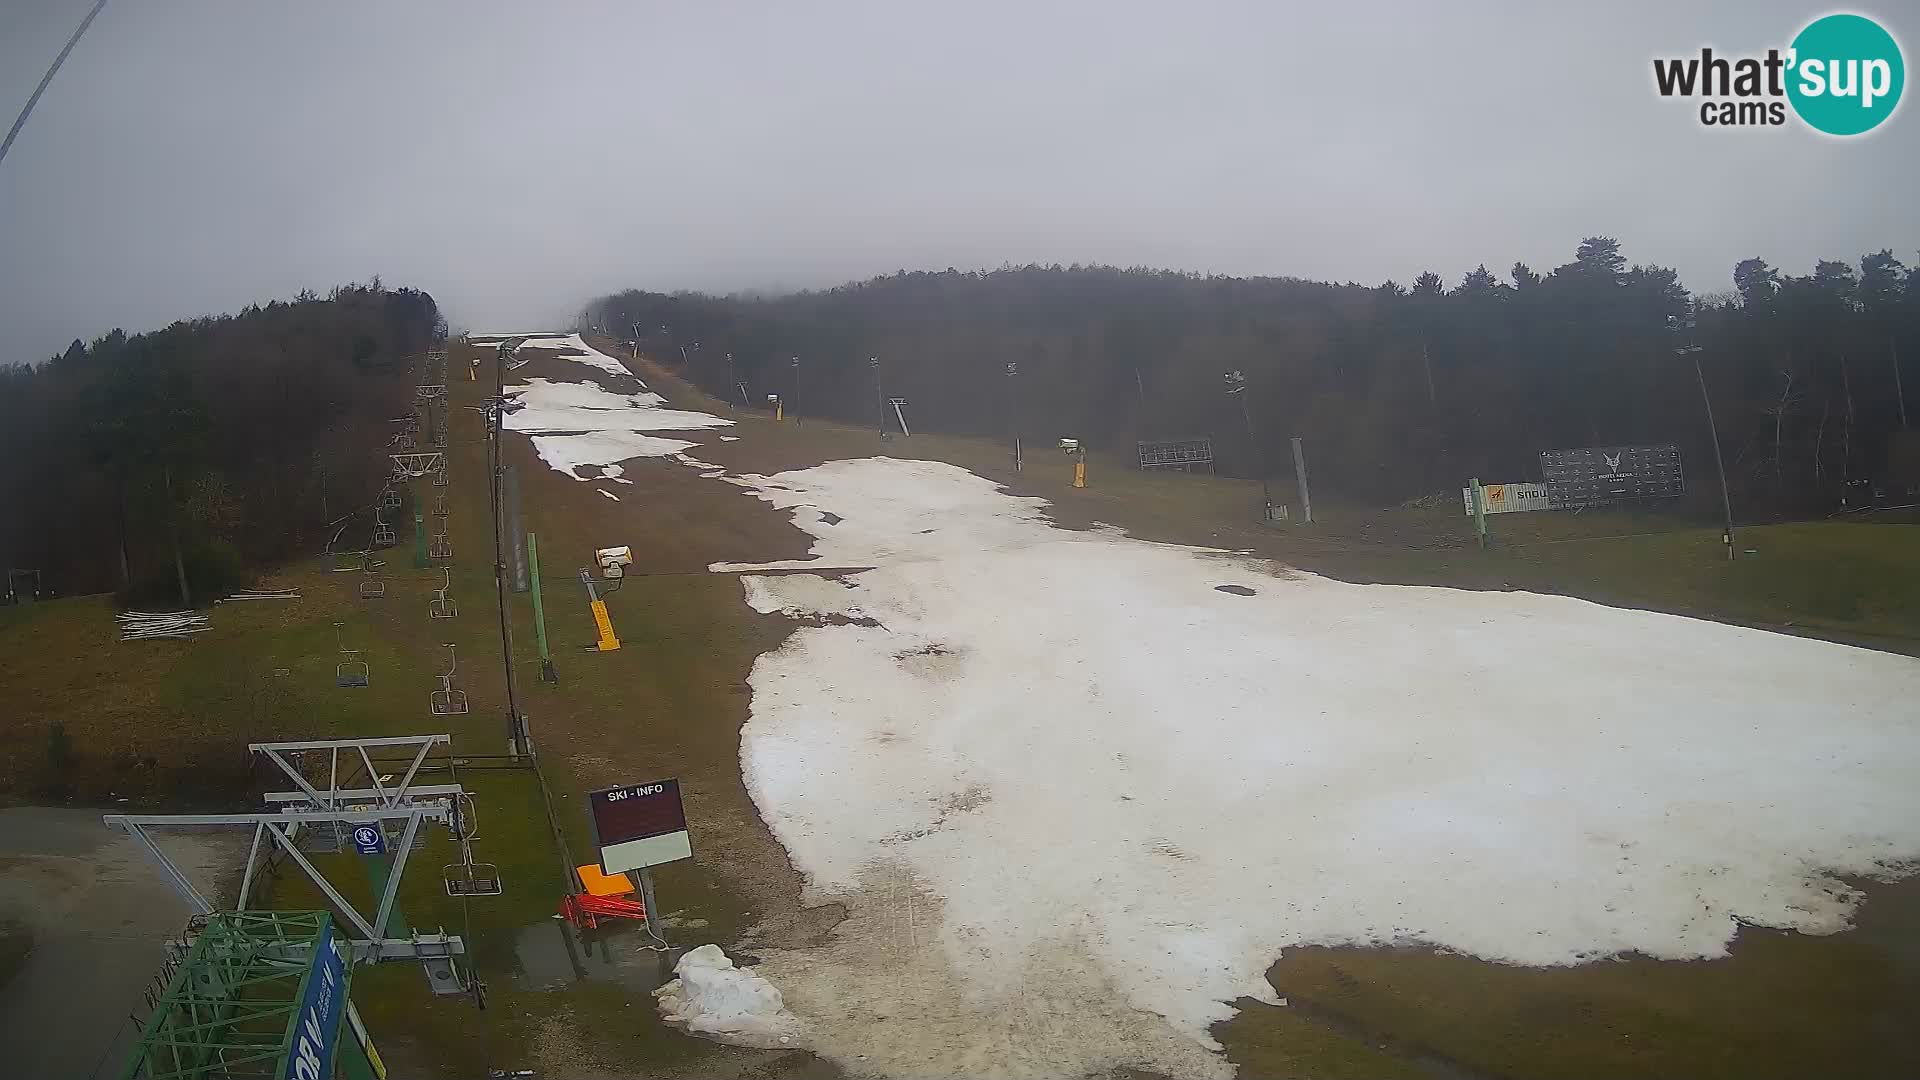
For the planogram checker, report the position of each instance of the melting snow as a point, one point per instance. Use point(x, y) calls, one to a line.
point(733, 1004)
point(1076, 800)
point(592, 357)
point(582, 406)
point(577, 424)
point(568, 453)
point(608, 494)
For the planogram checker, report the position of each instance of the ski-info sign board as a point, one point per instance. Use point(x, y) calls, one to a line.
point(640, 825)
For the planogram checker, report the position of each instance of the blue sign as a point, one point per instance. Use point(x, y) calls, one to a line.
point(317, 1024)
point(369, 840)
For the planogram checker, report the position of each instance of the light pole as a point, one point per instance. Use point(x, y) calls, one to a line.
point(879, 396)
point(1237, 387)
point(517, 741)
point(1013, 413)
point(1684, 345)
point(793, 391)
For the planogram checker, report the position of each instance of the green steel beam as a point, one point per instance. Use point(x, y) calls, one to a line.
point(231, 1003)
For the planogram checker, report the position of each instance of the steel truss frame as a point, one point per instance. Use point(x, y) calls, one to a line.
point(230, 1005)
point(356, 794)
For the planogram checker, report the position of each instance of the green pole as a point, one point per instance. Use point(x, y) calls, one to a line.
point(419, 536)
point(547, 671)
point(1479, 511)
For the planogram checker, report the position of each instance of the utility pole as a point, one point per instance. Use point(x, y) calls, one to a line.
point(517, 742)
point(1899, 394)
point(1237, 387)
point(1684, 345)
point(793, 392)
point(879, 396)
point(1300, 474)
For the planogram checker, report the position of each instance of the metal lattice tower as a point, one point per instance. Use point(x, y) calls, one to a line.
point(232, 1006)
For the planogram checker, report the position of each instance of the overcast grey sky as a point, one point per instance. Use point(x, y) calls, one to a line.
point(515, 158)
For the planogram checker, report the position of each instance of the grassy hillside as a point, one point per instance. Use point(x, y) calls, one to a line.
point(165, 723)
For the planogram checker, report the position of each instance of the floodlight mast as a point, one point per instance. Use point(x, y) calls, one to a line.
point(1237, 387)
point(1683, 327)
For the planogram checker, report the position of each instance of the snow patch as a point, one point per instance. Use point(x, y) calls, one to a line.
point(608, 494)
point(713, 997)
point(575, 424)
point(592, 358)
point(568, 453)
point(1067, 786)
point(801, 594)
point(729, 438)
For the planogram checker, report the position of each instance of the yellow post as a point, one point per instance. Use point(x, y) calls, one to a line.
point(1080, 469)
point(777, 407)
point(607, 643)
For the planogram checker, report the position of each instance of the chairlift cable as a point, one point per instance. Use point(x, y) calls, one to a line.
point(21, 121)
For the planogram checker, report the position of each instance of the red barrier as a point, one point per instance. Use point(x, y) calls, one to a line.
point(585, 909)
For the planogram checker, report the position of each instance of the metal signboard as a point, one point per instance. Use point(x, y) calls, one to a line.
point(1595, 475)
point(369, 840)
point(640, 825)
point(317, 1025)
point(1508, 498)
point(1176, 454)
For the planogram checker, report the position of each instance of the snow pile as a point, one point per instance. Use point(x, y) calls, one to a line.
point(712, 997)
point(1076, 799)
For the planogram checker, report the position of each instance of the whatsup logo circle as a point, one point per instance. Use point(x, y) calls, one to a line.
point(1845, 74)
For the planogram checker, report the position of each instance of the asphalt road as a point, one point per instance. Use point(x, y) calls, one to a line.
point(94, 915)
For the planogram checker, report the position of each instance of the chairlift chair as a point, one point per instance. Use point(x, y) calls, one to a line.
point(383, 534)
point(352, 670)
point(441, 546)
point(390, 498)
point(353, 557)
point(470, 878)
point(442, 606)
point(440, 477)
point(371, 585)
point(448, 701)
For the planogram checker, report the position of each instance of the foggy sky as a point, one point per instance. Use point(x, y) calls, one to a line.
point(516, 158)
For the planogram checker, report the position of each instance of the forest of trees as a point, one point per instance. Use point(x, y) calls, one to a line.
point(207, 449)
point(1398, 391)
